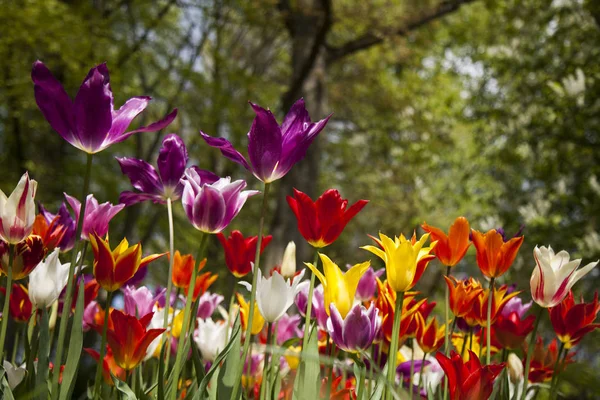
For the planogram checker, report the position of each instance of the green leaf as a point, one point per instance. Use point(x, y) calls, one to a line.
point(379, 388)
point(41, 387)
point(161, 371)
point(228, 372)
point(309, 369)
point(198, 366)
point(75, 346)
point(430, 392)
point(123, 388)
point(7, 394)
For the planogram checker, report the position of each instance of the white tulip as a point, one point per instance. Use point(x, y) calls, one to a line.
point(211, 338)
point(47, 280)
point(17, 212)
point(288, 265)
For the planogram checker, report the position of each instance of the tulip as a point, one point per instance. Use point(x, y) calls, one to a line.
point(210, 207)
point(17, 212)
point(554, 275)
point(571, 321)
point(20, 307)
point(257, 319)
point(97, 216)
point(339, 287)
point(515, 368)
point(211, 338)
point(63, 219)
point(164, 184)
point(112, 268)
point(129, 338)
point(47, 281)
point(357, 330)
point(183, 266)
point(157, 322)
point(109, 366)
point(544, 360)
point(202, 284)
point(368, 284)
point(429, 336)
point(423, 308)
point(318, 304)
point(450, 248)
point(89, 316)
point(468, 380)
point(274, 295)
point(494, 255)
point(462, 295)
point(207, 304)
point(240, 252)
point(288, 264)
point(386, 304)
point(51, 233)
point(322, 222)
point(27, 255)
point(141, 301)
point(511, 330)
point(91, 288)
point(288, 328)
point(273, 149)
point(478, 314)
point(405, 260)
point(89, 123)
point(516, 305)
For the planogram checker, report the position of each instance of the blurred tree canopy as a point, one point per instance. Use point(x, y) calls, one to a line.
point(483, 108)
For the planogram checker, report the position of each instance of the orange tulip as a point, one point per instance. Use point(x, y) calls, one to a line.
point(182, 269)
point(203, 282)
point(462, 295)
point(478, 312)
point(112, 268)
point(386, 303)
point(494, 255)
point(109, 366)
point(51, 234)
point(429, 336)
point(450, 248)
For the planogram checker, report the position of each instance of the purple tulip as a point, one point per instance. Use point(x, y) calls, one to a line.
point(357, 331)
point(318, 305)
point(288, 327)
point(367, 284)
point(515, 305)
point(89, 315)
point(211, 206)
point(97, 216)
point(273, 150)
point(207, 304)
point(68, 240)
point(141, 301)
point(90, 122)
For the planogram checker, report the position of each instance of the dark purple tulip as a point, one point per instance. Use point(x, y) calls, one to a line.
point(97, 216)
point(273, 150)
point(68, 240)
point(357, 331)
point(90, 122)
point(318, 304)
point(211, 206)
point(141, 301)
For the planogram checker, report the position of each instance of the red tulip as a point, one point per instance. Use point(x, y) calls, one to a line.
point(322, 222)
point(468, 380)
point(109, 366)
point(511, 331)
point(240, 251)
point(543, 361)
point(572, 321)
point(19, 305)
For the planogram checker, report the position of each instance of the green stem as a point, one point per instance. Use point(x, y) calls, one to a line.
point(393, 352)
point(421, 381)
point(307, 316)
point(530, 352)
point(488, 347)
point(330, 353)
point(5, 309)
point(264, 389)
point(446, 336)
point(16, 345)
point(98, 377)
point(248, 336)
point(464, 345)
point(64, 320)
point(169, 282)
point(186, 317)
point(554, 383)
point(412, 370)
point(361, 381)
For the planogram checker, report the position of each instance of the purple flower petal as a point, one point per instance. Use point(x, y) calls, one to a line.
point(129, 198)
point(205, 176)
point(123, 116)
point(296, 120)
point(53, 101)
point(335, 326)
point(209, 210)
point(227, 149)
point(93, 112)
point(357, 332)
point(172, 159)
point(153, 127)
point(142, 175)
point(264, 143)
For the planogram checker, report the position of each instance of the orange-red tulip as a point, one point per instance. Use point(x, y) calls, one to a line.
point(109, 366)
point(543, 361)
point(478, 313)
point(494, 255)
point(27, 255)
point(462, 295)
point(451, 248)
point(572, 321)
point(183, 266)
point(20, 306)
point(430, 336)
point(51, 234)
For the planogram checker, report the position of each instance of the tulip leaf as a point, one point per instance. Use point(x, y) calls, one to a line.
point(430, 393)
point(42, 365)
point(291, 342)
point(123, 388)
point(379, 388)
point(161, 370)
point(309, 369)
point(198, 366)
point(229, 370)
point(75, 346)
point(7, 394)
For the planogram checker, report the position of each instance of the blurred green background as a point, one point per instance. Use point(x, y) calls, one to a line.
point(487, 109)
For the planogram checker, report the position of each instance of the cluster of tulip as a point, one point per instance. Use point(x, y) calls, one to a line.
point(354, 336)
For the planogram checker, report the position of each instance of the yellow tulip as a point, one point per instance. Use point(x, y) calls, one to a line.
point(257, 321)
point(405, 260)
point(339, 288)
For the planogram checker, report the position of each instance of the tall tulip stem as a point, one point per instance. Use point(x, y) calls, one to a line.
point(446, 338)
point(311, 290)
point(248, 336)
point(64, 320)
point(169, 280)
point(5, 309)
point(488, 347)
point(392, 354)
point(530, 352)
point(98, 378)
point(554, 383)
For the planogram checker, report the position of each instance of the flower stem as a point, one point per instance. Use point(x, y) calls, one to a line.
point(248, 336)
point(554, 383)
point(64, 320)
point(488, 347)
point(392, 353)
point(98, 378)
point(186, 317)
point(446, 338)
point(412, 370)
point(266, 367)
point(5, 309)
point(421, 380)
point(169, 281)
point(530, 352)
point(311, 290)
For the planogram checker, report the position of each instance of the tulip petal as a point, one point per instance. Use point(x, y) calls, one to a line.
point(227, 149)
point(264, 143)
point(142, 175)
point(172, 159)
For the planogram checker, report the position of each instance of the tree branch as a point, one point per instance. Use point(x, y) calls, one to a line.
point(370, 39)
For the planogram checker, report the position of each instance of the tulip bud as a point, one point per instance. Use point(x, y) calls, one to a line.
point(515, 368)
point(288, 265)
point(17, 212)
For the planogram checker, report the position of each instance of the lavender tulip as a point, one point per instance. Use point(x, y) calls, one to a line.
point(367, 284)
point(318, 304)
point(207, 304)
point(357, 331)
point(211, 206)
point(273, 150)
point(97, 216)
point(288, 327)
point(90, 122)
point(141, 301)
point(516, 305)
point(64, 218)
